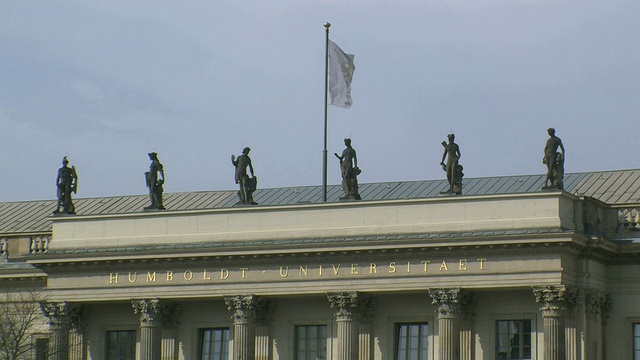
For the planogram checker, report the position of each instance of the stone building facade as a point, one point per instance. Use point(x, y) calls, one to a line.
point(505, 271)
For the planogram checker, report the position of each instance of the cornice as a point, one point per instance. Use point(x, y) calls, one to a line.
point(417, 251)
point(328, 205)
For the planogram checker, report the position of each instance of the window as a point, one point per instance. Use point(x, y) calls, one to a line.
point(215, 344)
point(513, 339)
point(121, 345)
point(311, 342)
point(636, 341)
point(412, 341)
point(41, 349)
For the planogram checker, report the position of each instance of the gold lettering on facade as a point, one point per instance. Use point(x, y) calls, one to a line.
point(443, 266)
point(425, 263)
point(482, 263)
point(463, 264)
point(354, 269)
point(336, 270)
point(188, 275)
point(284, 273)
point(224, 274)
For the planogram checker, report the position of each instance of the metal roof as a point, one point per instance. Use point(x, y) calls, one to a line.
point(617, 187)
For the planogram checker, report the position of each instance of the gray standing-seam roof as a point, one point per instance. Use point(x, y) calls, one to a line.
point(617, 187)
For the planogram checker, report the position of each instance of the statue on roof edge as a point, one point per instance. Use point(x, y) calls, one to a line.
point(66, 183)
point(452, 167)
point(350, 171)
point(247, 184)
point(554, 160)
point(155, 181)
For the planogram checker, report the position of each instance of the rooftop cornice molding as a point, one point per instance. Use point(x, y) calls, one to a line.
point(310, 206)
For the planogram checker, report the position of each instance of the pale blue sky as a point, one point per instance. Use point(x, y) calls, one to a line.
point(106, 82)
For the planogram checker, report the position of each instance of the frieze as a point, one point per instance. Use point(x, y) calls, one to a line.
point(296, 272)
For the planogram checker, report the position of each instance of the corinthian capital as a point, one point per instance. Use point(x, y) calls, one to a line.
point(451, 302)
point(555, 300)
point(57, 313)
point(154, 312)
point(351, 306)
point(597, 302)
point(243, 308)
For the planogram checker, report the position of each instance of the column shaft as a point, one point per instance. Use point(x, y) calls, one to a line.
point(244, 335)
point(466, 340)
point(554, 345)
point(169, 349)
point(364, 341)
point(77, 348)
point(448, 338)
point(347, 339)
point(59, 342)
point(150, 343)
point(263, 343)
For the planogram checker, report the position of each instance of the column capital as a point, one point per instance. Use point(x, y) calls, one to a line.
point(556, 300)
point(451, 303)
point(79, 317)
point(58, 314)
point(155, 312)
point(243, 308)
point(351, 305)
point(596, 301)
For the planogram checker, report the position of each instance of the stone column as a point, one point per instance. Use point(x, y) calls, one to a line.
point(349, 310)
point(466, 339)
point(264, 309)
point(554, 300)
point(596, 305)
point(79, 315)
point(572, 339)
point(58, 315)
point(246, 310)
point(150, 311)
point(170, 312)
point(451, 306)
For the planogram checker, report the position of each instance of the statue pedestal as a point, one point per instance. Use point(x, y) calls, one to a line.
point(350, 198)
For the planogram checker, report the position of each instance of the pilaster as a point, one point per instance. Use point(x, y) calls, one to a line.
point(597, 304)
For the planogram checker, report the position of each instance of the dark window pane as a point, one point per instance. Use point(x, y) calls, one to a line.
point(311, 342)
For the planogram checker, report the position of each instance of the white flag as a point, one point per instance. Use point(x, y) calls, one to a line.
point(341, 70)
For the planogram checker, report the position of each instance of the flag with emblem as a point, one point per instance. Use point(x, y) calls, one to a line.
point(341, 70)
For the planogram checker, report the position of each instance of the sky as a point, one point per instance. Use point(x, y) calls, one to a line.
point(106, 82)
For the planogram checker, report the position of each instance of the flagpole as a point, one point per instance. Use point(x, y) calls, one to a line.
point(326, 90)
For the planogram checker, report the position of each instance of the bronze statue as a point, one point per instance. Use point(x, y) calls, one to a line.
point(554, 161)
point(247, 184)
point(155, 181)
point(452, 167)
point(66, 182)
point(350, 171)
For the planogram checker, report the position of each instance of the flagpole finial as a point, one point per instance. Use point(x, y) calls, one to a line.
point(327, 25)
